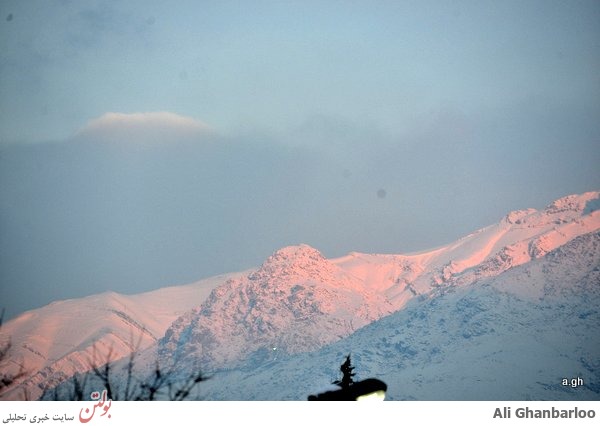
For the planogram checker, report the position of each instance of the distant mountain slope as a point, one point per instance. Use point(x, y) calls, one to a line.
point(510, 337)
point(298, 301)
point(62, 338)
point(518, 238)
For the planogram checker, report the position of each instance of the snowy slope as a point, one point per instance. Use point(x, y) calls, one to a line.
point(299, 302)
point(518, 238)
point(63, 337)
point(295, 302)
point(511, 337)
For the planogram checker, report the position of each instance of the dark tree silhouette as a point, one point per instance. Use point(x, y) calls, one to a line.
point(119, 383)
point(350, 390)
point(122, 384)
point(347, 373)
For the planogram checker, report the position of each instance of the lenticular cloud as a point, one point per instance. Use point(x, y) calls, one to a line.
point(143, 127)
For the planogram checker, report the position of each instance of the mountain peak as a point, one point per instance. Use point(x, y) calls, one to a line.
point(297, 250)
point(518, 216)
point(294, 260)
point(575, 202)
point(571, 208)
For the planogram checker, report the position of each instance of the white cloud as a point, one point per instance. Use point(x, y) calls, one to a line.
point(143, 127)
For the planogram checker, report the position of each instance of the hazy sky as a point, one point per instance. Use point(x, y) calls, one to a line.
point(145, 144)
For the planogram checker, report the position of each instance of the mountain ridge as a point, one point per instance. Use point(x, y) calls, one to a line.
point(218, 334)
point(499, 340)
point(296, 301)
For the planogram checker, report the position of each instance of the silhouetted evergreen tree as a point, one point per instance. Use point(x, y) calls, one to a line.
point(347, 373)
point(350, 390)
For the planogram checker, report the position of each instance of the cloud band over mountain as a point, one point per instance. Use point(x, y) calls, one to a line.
point(143, 127)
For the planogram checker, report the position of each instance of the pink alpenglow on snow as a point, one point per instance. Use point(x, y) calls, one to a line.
point(296, 301)
point(143, 127)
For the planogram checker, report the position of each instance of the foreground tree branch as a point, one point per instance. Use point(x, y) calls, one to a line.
point(124, 381)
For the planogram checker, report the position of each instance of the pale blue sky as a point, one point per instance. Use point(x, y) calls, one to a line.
point(459, 110)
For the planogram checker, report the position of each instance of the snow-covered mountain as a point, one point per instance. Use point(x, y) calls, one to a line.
point(65, 337)
point(298, 301)
point(514, 336)
point(509, 298)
